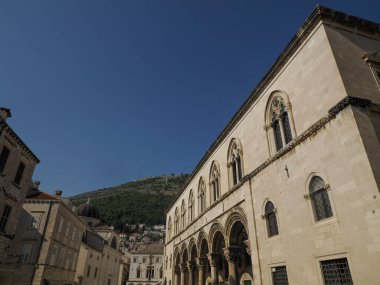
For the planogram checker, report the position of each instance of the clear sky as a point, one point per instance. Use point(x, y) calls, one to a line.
point(109, 91)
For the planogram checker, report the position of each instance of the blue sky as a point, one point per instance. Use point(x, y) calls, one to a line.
point(109, 91)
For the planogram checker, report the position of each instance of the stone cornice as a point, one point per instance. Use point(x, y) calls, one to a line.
point(319, 15)
point(312, 130)
point(5, 127)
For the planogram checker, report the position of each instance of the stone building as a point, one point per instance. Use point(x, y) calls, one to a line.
point(17, 163)
point(99, 260)
point(288, 193)
point(49, 237)
point(146, 265)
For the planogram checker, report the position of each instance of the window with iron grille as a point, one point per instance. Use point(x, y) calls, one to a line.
point(4, 217)
point(336, 272)
point(19, 173)
point(4, 158)
point(271, 219)
point(320, 199)
point(279, 275)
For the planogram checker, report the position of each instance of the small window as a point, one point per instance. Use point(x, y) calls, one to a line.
point(235, 162)
point(19, 173)
point(320, 198)
point(271, 219)
point(138, 274)
point(144, 260)
point(88, 271)
point(96, 272)
point(4, 158)
point(336, 271)
point(4, 217)
point(279, 275)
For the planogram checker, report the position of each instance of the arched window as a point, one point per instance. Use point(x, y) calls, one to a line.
point(161, 272)
point(138, 274)
point(235, 162)
point(320, 198)
point(183, 215)
point(201, 195)
point(278, 124)
point(169, 228)
point(215, 181)
point(271, 219)
point(191, 206)
point(176, 221)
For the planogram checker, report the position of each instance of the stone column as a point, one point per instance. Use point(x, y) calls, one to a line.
point(177, 272)
point(232, 254)
point(190, 268)
point(183, 268)
point(201, 264)
point(214, 261)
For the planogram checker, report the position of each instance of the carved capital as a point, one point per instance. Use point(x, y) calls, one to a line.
point(268, 127)
point(248, 248)
point(190, 266)
point(214, 259)
point(201, 262)
point(232, 253)
point(307, 196)
point(177, 269)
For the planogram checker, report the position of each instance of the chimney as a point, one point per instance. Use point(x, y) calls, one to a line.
point(5, 113)
point(58, 193)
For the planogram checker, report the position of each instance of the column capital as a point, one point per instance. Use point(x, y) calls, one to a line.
point(177, 269)
point(248, 249)
point(190, 265)
point(232, 253)
point(201, 262)
point(183, 267)
point(213, 258)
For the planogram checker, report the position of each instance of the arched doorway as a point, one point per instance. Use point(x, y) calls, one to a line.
point(193, 269)
point(219, 265)
point(238, 255)
point(176, 267)
point(203, 263)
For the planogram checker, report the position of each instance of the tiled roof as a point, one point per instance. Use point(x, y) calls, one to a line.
point(36, 194)
point(150, 249)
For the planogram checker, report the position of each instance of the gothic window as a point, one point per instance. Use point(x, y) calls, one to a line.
point(176, 221)
point(191, 206)
point(215, 181)
point(278, 122)
point(19, 173)
point(320, 198)
point(235, 162)
point(4, 158)
point(201, 195)
point(271, 219)
point(183, 215)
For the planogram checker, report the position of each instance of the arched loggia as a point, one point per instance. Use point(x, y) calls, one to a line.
point(193, 269)
point(177, 268)
point(203, 264)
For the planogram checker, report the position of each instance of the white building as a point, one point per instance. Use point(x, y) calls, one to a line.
point(146, 265)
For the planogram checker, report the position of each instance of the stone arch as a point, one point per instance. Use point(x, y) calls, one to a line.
point(235, 162)
point(193, 250)
point(214, 181)
point(215, 228)
point(237, 215)
point(275, 93)
point(177, 256)
point(184, 253)
point(202, 236)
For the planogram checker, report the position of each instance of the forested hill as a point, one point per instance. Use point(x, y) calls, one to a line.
point(140, 201)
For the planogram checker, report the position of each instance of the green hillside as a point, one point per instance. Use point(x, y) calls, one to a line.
point(140, 201)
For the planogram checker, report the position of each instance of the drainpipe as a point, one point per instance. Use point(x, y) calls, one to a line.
point(42, 240)
point(256, 237)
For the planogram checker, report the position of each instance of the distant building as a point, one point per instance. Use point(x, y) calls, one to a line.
point(146, 265)
point(99, 261)
point(17, 163)
point(49, 238)
point(159, 227)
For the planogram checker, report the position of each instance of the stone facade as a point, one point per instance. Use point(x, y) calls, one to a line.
point(289, 191)
point(17, 163)
point(50, 234)
point(99, 261)
point(146, 265)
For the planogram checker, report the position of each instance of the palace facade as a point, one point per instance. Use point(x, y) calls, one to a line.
point(288, 193)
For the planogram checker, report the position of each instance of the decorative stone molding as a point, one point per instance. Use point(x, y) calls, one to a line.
point(248, 248)
point(214, 259)
point(232, 253)
point(201, 262)
point(190, 266)
point(177, 269)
